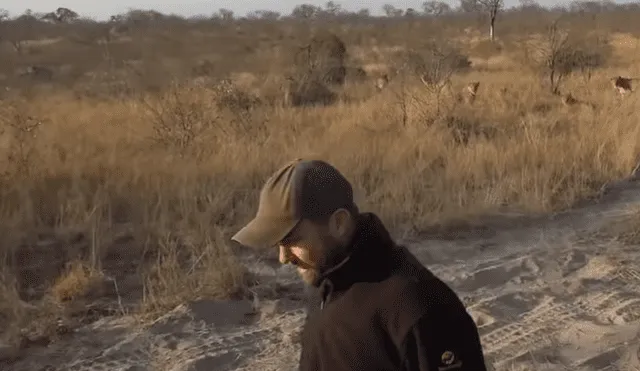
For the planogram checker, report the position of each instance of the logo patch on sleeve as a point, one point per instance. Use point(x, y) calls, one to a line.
point(449, 361)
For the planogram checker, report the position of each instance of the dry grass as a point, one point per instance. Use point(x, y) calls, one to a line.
point(77, 282)
point(147, 222)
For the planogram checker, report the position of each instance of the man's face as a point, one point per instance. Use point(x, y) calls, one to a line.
point(309, 247)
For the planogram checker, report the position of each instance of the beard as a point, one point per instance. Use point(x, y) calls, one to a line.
point(334, 253)
point(309, 276)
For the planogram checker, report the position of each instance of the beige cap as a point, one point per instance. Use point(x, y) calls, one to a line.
point(302, 189)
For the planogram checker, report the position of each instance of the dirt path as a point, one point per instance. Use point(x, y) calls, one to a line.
point(545, 296)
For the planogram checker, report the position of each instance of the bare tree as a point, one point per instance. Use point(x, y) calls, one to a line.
point(435, 8)
point(410, 13)
point(332, 9)
point(529, 6)
point(435, 66)
point(4, 18)
point(15, 31)
point(562, 53)
point(66, 15)
point(492, 7)
point(555, 56)
point(306, 11)
point(557, 51)
point(224, 14)
point(469, 6)
point(364, 13)
point(267, 15)
point(391, 11)
point(37, 73)
point(49, 17)
point(61, 15)
point(592, 7)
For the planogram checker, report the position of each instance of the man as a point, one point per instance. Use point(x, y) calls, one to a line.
point(379, 308)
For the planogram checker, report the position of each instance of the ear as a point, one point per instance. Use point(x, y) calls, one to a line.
point(340, 223)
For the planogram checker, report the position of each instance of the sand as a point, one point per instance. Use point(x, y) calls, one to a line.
point(550, 295)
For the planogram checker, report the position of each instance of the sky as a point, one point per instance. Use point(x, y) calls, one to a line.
point(103, 9)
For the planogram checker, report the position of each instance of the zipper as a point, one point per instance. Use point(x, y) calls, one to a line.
point(326, 291)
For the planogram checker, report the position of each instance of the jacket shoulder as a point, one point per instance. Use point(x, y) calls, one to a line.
point(419, 295)
point(405, 302)
point(413, 296)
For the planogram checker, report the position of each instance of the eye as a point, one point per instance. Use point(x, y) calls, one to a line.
point(290, 240)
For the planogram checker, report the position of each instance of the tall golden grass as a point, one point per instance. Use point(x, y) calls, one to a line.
point(99, 209)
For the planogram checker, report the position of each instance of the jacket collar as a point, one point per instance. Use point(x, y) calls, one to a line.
point(370, 259)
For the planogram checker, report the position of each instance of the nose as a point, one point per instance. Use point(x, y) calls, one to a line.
point(284, 255)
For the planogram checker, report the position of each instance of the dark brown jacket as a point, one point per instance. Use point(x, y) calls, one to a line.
point(383, 310)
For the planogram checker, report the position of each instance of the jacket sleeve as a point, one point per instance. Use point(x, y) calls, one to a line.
point(443, 343)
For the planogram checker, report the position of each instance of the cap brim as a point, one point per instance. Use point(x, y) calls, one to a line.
point(264, 232)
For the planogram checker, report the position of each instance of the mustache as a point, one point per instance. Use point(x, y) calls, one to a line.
point(299, 263)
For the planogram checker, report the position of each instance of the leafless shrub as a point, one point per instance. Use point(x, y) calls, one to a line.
point(115, 89)
point(591, 54)
point(465, 129)
point(555, 57)
point(237, 102)
point(322, 60)
point(436, 63)
point(146, 75)
point(404, 98)
point(562, 54)
point(182, 116)
point(38, 73)
point(356, 74)
point(308, 91)
point(19, 128)
point(106, 84)
point(203, 68)
point(487, 48)
point(435, 66)
point(316, 65)
point(230, 96)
